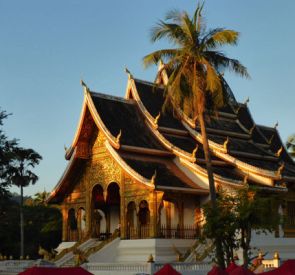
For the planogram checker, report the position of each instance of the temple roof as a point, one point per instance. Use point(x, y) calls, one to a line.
point(163, 148)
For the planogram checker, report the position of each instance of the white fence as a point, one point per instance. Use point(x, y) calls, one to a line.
point(145, 268)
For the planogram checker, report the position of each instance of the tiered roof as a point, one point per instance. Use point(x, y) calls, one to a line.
point(163, 149)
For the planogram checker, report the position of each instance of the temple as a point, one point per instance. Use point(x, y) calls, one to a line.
point(139, 172)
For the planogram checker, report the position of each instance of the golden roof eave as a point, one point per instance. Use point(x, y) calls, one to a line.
point(126, 167)
point(63, 177)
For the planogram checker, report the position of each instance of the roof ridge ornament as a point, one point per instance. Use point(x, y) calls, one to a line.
point(153, 178)
point(225, 144)
point(279, 152)
point(195, 151)
point(276, 125)
point(118, 137)
point(157, 118)
point(130, 76)
point(85, 87)
point(245, 179)
point(281, 168)
point(240, 105)
point(247, 101)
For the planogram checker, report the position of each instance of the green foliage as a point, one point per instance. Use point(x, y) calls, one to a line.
point(6, 154)
point(236, 215)
point(195, 64)
point(291, 145)
point(42, 227)
point(196, 61)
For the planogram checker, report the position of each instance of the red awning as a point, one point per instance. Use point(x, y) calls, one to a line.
point(56, 271)
point(287, 268)
point(167, 269)
point(240, 270)
point(231, 267)
point(217, 271)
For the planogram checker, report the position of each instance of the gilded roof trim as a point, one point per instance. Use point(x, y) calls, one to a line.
point(126, 167)
point(63, 177)
point(99, 123)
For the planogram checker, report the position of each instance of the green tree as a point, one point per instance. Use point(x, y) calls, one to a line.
point(40, 198)
point(6, 155)
point(195, 66)
point(291, 145)
point(236, 217)
point(21, 175)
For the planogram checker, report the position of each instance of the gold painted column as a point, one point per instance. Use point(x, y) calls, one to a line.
point(123, 211)
point(64, 223)
point(88, 195)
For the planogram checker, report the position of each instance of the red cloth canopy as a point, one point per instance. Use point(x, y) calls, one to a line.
point(240, 270)
point(167, 269)
point(56, 271)
point(217, 271)
point(231, 267)
point(287, 268)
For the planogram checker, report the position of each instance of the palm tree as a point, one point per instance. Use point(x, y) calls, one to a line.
point(195, 65)
point(22, 176)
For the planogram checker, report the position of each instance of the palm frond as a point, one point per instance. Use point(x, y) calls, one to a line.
point(154, 57)
point(197, 18)
point(219, 37)
point(221, 62)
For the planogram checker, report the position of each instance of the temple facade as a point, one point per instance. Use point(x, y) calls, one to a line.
point(139, 172)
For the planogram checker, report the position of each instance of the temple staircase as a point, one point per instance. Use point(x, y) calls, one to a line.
point(83, 250)
point(199, 252)
point(67, 256)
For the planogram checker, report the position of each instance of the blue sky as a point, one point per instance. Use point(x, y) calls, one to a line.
point(48, 46)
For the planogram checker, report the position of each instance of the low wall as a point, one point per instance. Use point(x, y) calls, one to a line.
point(145, 268)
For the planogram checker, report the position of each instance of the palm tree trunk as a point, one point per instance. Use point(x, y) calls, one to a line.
point(21, 222)
point(208, 160)
point(218, 243)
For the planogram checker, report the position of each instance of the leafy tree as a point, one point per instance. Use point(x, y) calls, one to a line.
point(21, 175)
point(195, 66)
point(40, 198)
point(6, 154)
point(42, 227)
point(291, 145)
point(237, 215)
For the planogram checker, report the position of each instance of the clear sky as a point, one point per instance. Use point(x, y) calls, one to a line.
point(48, 46)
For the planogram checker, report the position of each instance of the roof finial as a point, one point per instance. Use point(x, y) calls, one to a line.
point(195, 151)
point(119, 136)
point(278, 153)
point(276, 125)
point(154, 178)
point(130, 76)
point(225, 144)
point(247, 101)
point(252, 129)
point(281, 168)
point(65, 147)
point(157, 118)
point(86, 89)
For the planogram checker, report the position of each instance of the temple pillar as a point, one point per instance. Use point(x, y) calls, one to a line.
point(123, 208)
point(64, 223)
point(88, 206)
point(155, 201)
